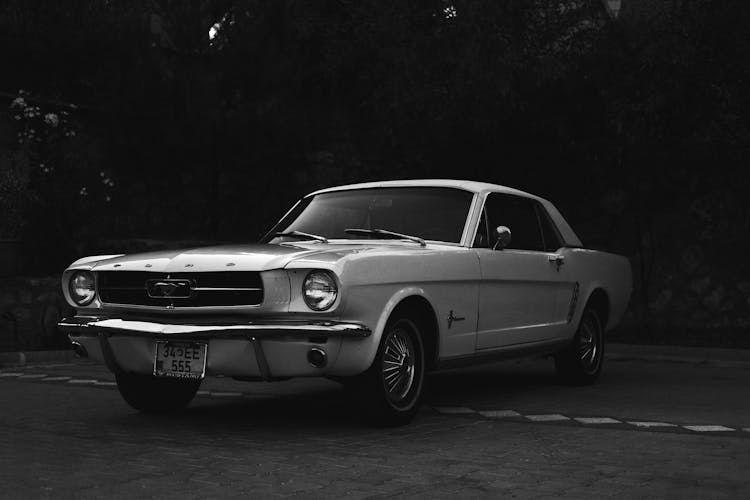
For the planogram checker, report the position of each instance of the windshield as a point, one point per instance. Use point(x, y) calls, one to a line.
point(427, 212)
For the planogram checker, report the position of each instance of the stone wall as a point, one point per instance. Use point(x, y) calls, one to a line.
point(30, 307)
point(29, 311)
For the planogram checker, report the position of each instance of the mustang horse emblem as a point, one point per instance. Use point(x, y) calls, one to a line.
point(168, 288)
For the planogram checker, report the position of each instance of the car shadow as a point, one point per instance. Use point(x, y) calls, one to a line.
point(493, 383)
point(331, 408)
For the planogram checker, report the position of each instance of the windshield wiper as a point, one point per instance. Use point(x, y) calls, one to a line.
point(300, 234)
point(385, 232)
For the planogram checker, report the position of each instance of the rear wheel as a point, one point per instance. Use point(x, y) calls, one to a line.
point(151, 394)
point(581, 362)
point(391, 389)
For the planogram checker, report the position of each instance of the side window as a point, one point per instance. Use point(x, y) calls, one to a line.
point(519, 215)
point(551, 239)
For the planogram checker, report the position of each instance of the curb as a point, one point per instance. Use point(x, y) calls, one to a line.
point(22, 358)
point(679, 354)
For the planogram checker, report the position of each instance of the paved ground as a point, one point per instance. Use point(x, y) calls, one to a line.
point(648, 429)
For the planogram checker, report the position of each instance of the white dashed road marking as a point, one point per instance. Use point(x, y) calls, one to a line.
point(55, 379)
point(10, 374)
point(48, 366)
point(553, 417)
point(105, 383)
point(652, 424)
point(708, 428)
point(81, 381)
point(33, 375)
point(597, 420)
point(500, 414)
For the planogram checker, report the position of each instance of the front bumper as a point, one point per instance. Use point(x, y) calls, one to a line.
point(269, 349)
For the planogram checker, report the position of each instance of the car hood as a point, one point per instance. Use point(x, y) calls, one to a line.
point(258, 257)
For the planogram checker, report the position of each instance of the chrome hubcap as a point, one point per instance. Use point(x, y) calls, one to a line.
point(588, 346)
point(398, 365)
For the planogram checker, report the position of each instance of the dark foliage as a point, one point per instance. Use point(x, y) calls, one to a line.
point(637, 128)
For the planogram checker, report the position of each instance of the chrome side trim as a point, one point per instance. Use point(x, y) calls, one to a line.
point(93, 326)
point(543, 347)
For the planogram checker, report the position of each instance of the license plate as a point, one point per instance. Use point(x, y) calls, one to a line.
point(180, 360)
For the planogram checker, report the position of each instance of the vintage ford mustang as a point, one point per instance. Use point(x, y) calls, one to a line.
point(370, 284)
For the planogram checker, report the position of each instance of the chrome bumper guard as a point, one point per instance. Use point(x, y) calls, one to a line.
point(103, 328)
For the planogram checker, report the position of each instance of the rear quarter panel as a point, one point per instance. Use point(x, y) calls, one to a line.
point(593, 270)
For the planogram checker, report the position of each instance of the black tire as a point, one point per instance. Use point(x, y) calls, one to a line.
point(151, 394)
point(391, 389)
point(581, 362)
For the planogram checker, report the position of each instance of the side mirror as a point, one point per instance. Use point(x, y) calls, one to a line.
point(503, 237)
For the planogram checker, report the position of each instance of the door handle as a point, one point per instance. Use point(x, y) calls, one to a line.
point(557, 259)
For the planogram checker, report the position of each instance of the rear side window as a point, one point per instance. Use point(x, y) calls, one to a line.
point(551, 239)
point(520, 216)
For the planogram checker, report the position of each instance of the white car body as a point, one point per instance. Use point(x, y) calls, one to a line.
point(482, 302)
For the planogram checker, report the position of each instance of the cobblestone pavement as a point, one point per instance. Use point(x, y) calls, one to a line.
point(505, 430)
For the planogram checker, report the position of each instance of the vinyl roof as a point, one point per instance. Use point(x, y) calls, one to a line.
point(473, 186)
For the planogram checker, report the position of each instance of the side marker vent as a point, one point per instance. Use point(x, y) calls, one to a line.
point(573, 302)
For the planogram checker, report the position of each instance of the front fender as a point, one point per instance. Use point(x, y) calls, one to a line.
point(356, 357)
point(394, 301)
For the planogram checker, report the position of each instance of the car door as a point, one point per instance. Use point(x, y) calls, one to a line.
point(567, 287)
point(521, 284)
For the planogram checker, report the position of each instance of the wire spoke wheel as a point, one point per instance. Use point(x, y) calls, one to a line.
point(588, 346)
point(391, 389)
point(581, 362)
point(398, 366)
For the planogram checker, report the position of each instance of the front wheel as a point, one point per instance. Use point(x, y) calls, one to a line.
point(391, 389)
point(151, 394)
point(581, 362)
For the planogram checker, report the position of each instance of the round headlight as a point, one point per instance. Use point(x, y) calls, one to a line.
point(319, 290)
point(81, 287)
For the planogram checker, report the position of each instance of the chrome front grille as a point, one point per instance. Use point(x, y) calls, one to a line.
point(143, 288)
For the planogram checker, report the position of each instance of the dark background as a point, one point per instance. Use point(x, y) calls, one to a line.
point(124, 127)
